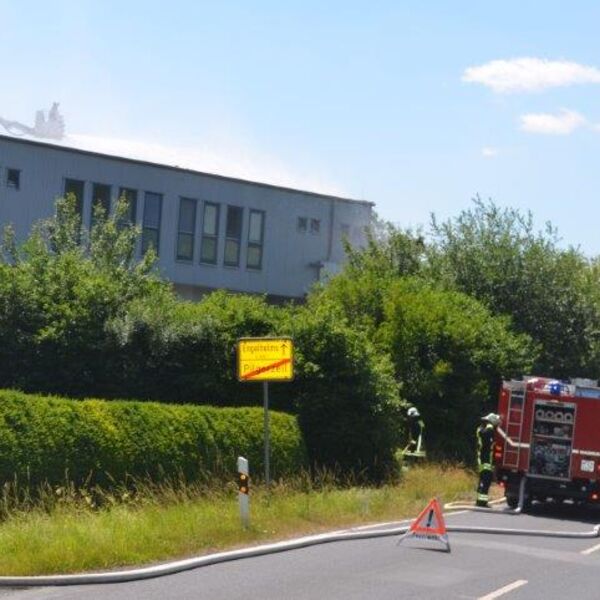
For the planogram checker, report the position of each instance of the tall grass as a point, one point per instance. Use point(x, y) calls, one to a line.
point(69, 530)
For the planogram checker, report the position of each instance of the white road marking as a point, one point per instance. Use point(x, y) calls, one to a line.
point(590, 550)
point(507, 588)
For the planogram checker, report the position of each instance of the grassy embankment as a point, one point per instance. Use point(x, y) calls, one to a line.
point(65, 534)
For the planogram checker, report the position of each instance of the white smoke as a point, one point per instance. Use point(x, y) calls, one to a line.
point(51, 127)
point(236, 160)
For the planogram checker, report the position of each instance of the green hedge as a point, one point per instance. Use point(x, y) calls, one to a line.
point(49, 439)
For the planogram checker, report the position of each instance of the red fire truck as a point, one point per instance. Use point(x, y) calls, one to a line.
point(549, 434)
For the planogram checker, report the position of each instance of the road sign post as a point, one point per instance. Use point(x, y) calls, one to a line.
point(265, 359)
point(267, 433)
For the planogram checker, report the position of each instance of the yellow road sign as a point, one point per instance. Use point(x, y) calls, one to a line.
point(265, 359)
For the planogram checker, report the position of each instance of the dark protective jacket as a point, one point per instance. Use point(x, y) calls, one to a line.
point(415, 428)
point(485, 444)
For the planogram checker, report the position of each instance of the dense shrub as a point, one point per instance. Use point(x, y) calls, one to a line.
point(49, 439)
point(173, 351)
point(347, 398)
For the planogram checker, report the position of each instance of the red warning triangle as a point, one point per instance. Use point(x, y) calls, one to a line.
point(429, 526)
point(430, 521)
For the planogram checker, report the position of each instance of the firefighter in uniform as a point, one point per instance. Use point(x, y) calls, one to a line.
point(485, 446)
point(416, 426)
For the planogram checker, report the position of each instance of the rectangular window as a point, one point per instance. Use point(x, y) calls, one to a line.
point(100, 199)
point(76, 188)
point(233, 235)
point(13, 178)
point(302, 224)
point(210, 233)
point(151, 222)
point(130, 197)
point(315, 225)
point(186, 229)
point(256, 233)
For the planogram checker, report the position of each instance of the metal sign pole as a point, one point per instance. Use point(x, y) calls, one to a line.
point(267, 434)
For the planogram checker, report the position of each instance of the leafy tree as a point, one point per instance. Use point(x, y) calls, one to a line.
point(359, 290)
point(496, 256)
point(57, 292)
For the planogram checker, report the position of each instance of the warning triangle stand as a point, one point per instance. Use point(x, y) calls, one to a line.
point(429, 527)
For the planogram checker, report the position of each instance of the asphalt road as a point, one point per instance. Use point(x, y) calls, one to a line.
point(480, 566)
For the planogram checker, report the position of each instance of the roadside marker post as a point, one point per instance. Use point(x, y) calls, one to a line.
point(265, 359)
point(244, 490)
point(429, 527)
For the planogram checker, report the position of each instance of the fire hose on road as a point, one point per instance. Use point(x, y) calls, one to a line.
point(262, 550)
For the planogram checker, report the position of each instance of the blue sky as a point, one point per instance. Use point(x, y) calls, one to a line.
point(415, 106)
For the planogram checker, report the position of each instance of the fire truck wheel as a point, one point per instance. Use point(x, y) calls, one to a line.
point(512, 501)
point(512, 496)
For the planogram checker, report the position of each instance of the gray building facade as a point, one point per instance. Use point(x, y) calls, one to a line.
point(210, 231)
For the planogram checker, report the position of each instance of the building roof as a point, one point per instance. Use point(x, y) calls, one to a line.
point(69, 145)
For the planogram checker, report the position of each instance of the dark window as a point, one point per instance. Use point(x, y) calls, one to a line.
point(302, 224)
point(100, 199)
point(210, 233)
point(13, 178)
point(186, 228)
point(130, 197)
point(151, 223)
point(315, 225)
point(256, 233)
point(76, 188)
point(233, 235)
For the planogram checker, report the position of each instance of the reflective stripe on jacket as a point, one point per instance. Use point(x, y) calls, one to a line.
point(485, 444)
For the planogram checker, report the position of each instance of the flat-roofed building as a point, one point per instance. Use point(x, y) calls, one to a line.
point(210, 231)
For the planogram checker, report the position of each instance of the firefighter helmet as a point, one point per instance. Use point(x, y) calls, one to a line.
point(492, 418)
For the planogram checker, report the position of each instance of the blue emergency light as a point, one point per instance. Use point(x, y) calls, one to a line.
point(555, 388)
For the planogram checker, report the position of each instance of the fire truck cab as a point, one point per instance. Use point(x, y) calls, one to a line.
point(549, 434)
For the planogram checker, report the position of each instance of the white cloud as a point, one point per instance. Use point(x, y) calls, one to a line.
point(489, 152)
point(530, 74)
point(563, 123)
